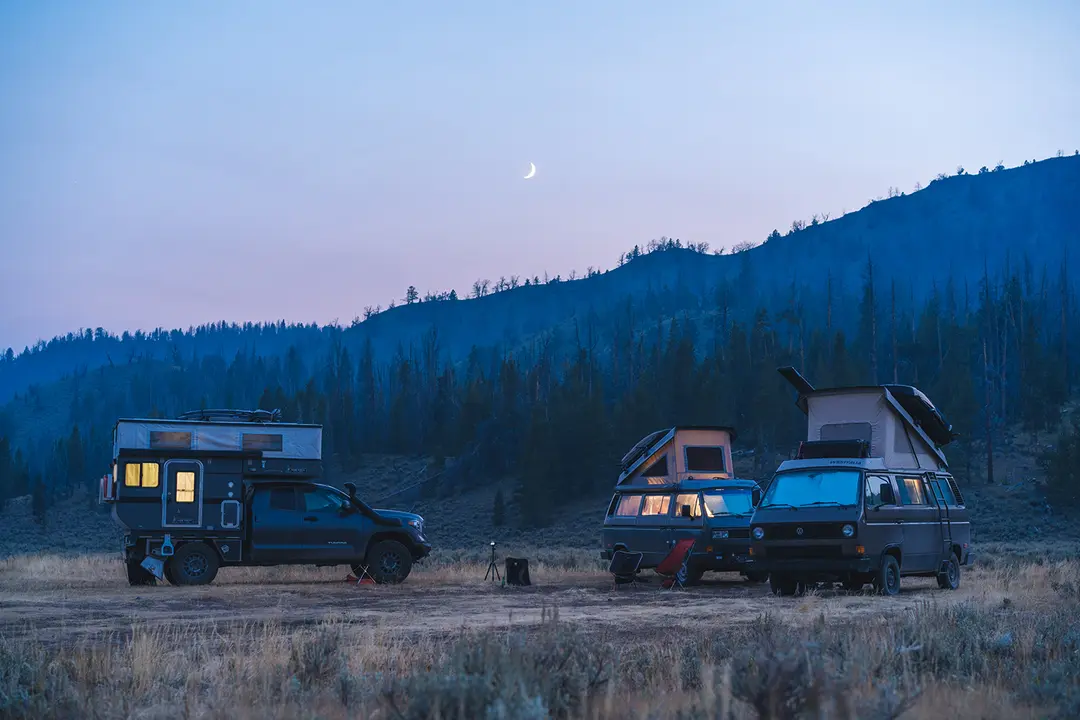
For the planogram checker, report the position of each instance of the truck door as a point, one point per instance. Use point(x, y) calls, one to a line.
point(334, 529)
point(277, 533)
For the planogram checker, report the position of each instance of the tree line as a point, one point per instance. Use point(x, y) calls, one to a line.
point(556, 416)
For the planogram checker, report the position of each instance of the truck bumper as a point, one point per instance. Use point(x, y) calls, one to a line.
point(421, 549)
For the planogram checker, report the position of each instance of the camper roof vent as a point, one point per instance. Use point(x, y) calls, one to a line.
point(818, 449)
point(251, 416)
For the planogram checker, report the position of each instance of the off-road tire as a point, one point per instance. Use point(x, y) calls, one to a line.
point(785, 585)
point(194, 563)
point(389, 562)
point(887, 579)
point(167, 572)
point(949, 577)
point(756, 577)
point(139, 576)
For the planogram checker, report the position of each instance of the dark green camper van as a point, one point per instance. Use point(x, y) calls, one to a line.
point(677, 483)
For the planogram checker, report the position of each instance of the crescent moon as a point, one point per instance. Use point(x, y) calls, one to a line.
point(532, 171)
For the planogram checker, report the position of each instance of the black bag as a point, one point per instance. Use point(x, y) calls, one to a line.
point(517, 571)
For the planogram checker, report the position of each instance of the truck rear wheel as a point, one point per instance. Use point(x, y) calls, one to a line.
point(389, 562)
point(138, 575)
point(195, 563)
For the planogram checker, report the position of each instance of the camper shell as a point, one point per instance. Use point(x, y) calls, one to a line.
point(868, 497)
point(679, 483)
point(225, 487)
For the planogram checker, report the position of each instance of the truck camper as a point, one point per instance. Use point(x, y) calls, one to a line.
point(220, 488)
point(868, 497)
point(678, 483)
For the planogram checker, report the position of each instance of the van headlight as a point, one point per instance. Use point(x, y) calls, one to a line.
point(720, 534)
point(848, 530)
point(759, 533)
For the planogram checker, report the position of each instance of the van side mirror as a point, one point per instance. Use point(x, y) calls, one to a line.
point(685, 511)
point(755, 497)
point(887, 497)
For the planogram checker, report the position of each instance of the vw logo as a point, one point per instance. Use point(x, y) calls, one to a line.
point(798, 531)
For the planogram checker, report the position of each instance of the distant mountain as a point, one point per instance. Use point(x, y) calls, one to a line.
point(956, 229)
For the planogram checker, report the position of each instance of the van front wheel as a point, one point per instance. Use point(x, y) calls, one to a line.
point(887, 580)
point(785, 585)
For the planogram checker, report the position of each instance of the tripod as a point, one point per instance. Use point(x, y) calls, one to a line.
point(492, 569)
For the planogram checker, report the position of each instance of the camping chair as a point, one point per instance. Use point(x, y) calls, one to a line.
point(624, 567)
point(365, 577)
point(673, 567)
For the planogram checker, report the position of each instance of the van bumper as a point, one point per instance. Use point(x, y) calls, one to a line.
point(816, 567)
point(723, 557)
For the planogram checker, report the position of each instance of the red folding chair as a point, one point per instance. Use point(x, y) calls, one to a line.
point(673, 567)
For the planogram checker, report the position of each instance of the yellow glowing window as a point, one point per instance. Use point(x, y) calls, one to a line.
point(185, 487)
point(149, 475)
point(131, 475)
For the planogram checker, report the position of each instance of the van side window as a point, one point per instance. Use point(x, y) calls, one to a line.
point(694, 501)
point(911, 491)
point(703, 458)
point(874, 483)
point(942, 488)
point(658, 468)
point(628, 506)
point(956, 491)
point(656, 505)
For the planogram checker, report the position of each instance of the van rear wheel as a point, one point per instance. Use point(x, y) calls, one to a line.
point(949, 577)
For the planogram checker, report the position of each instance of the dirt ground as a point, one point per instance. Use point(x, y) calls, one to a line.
point(97, 603)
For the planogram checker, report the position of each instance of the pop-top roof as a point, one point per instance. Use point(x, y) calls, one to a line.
point(270, 439)
point(667, 457)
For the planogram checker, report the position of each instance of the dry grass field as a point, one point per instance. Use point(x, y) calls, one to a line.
point(76, 641)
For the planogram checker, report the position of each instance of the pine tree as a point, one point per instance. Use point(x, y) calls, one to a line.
point(498, 512)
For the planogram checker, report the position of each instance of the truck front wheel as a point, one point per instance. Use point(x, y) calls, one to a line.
point(195, 563)
point(389, 562)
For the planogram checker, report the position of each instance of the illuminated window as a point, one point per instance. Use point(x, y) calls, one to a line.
point(185, 487)
point(656, 505)
point(911, 491)
point(628, 505)
point(131, 475)
point(149, 475)
point(693, 501)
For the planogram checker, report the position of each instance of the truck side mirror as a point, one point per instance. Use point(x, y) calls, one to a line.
point(685, 511)
point(887, 497)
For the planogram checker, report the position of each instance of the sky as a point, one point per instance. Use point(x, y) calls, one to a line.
point(171, 164)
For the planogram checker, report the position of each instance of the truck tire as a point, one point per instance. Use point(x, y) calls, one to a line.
point(138, 575)
point(389, 562)
point(194, 563)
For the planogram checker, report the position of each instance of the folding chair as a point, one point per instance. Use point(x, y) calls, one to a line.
point(624, 567)
point(365, 577)
point(673, 567)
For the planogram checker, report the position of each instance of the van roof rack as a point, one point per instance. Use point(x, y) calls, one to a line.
point(252, 416)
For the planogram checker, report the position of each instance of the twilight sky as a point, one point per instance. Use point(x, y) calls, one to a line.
point(169, 164)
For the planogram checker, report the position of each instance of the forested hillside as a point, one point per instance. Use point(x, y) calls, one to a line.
point(964, 289)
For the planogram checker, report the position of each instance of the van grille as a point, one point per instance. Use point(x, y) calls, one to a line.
point(739, 534)
point(804, 552)
point(810, 531)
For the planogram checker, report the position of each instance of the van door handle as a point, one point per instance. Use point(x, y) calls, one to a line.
point(311, 518)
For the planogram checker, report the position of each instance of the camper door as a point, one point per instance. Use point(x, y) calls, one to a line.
point(182, 496)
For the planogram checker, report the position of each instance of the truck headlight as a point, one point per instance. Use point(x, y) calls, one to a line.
point(417, 523)
point(848, 530)
point(759, 533)
point(720, 534)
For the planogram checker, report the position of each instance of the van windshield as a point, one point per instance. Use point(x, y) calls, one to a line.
point(804, 488)
point(728, 502)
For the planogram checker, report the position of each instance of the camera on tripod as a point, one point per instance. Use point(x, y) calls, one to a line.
point(492, 569)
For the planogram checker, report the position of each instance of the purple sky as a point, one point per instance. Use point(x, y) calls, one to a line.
point(168, 164)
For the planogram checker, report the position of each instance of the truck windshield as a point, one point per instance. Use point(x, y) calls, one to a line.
point(805, 488)
point(728, 502)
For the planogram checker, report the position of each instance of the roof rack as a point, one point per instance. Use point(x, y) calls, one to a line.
point(253, 416)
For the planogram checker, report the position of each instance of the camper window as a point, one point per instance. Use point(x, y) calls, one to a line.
point(169, 440)
point(911, 491)
point(705, 459)
point(261, 441)
point(874, 483)
point(628, 506)
point(657, 469)
point(694, 501)
point(185, 486)
point(141, 475)
point(656, 505)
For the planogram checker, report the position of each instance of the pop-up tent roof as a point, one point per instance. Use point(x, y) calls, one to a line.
point(669, 456)
point(898, 423)
point(272, 440)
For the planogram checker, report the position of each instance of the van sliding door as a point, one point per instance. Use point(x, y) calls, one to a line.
point(182, 494)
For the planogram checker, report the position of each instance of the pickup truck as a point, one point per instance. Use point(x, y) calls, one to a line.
point(227, 488)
